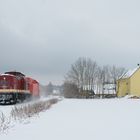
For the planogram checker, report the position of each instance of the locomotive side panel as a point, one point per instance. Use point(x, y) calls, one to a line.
point(21, 83)
point(33, 86)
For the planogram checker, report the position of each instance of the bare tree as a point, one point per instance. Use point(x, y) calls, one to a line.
point(103, 77)
point(83, 74)
point(116, 72)
point(99, 80)
point(90, 74)
point(76, 73)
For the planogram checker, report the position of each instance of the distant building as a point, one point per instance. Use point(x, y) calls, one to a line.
point(129, 83)
point(109, 88)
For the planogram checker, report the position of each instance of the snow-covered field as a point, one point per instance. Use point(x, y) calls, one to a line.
point(75, 119)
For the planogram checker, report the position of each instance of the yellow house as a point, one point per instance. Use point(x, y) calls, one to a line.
point(129, 83)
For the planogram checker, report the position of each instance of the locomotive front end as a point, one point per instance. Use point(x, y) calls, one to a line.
point(8, 86)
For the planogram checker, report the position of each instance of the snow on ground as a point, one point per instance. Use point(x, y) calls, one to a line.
point(6, 109)
point(75, 119)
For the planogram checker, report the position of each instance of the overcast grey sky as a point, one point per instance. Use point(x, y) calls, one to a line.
point(42, 38)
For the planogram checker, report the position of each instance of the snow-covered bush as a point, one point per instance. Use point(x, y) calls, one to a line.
point(4, 122)
point(29, 110)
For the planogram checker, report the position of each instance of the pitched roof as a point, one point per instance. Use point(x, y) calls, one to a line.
point(129, 73)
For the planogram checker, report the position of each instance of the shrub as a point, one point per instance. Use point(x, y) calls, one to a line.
point(29, 110)
point(4, 122)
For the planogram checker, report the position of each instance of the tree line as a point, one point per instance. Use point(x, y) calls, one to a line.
point(86, 75)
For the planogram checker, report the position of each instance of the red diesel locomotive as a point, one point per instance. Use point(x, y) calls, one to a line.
point(15, 87)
